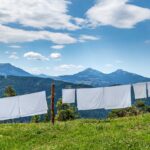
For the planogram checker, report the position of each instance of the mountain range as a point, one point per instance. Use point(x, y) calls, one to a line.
point(88, 76)
point(8, 69)
point(97, 78)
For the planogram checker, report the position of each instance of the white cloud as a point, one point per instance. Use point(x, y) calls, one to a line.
point(12, 35)
point(80, 21)
point(58, 46)
point(35, 56)
point(84, 38)
point(117, 13)
point(15, 46)
point(68, 67)
point(55, 55)
point(13, 55)
point(38, 14)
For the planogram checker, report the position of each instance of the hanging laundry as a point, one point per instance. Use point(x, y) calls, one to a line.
point(23, 106)
point(33, 104)
point(90, 98)
point(116, 97)
point(68, 96)
point(148, 88)
point(140, 90)
point(9, 108)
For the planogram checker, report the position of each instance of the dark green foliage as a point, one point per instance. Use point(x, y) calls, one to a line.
point(36, 119)
point(140, 104)
point(9, 91)
point(133, 111)
point(65, 111)
point(139, 108)
point(47, 116)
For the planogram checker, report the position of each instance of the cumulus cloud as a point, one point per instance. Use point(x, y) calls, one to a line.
point(38, 14)
point(80, 21)
point(57, 46)
point(12, 35)
point(55, 55)
point(35, 56)
point(117, 13)
point(13, 55)
point(84, 38)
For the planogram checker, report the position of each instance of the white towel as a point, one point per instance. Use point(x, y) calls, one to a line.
point(68, 96)
point(140, 90)
point(148, 88)
point(117, 97)
point(90, 98)
point(33, 104)
point(9, 108)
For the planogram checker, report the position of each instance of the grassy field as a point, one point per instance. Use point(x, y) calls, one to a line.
point(132, 133)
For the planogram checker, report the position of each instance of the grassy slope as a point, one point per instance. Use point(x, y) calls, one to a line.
point(126, 133)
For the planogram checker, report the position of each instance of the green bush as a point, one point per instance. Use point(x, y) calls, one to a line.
point(36, 119)
point(64, 115)
point(140, 104)
point(65, 111)
point(117, 113)
point(147, 109)
point(132, 111)
point(47, 116)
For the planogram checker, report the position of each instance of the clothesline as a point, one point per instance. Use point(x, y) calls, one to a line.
point(113, 97)
point(23, 106)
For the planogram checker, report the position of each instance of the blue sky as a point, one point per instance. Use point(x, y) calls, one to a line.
point(67, 36)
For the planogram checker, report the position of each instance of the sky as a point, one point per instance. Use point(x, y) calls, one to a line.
point(58, 37)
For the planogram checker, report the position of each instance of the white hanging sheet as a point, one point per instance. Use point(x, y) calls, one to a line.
point(116, 97)
point(140, 90)
point(9, 108)
point(33, 104)
point(68, 96)
point(90, 98)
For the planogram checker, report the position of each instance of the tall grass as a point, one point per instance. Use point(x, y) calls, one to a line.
point(129, 133)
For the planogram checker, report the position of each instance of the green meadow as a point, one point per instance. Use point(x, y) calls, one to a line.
point(129, 133)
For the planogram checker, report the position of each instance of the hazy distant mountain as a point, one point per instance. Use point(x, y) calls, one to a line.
point(124, 77)
point(8, 69)
point(42, 76)
point(89, 76)
point(97, 78)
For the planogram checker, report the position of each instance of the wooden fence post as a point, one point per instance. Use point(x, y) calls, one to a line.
point(52, 103)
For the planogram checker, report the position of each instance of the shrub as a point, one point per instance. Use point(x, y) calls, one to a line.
point(65, 111)
point(132, 111)
point(47, 116)
point(35, 119)
point(140, 104)
point(64, 115)
point(117, 113)
point(147, 108)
